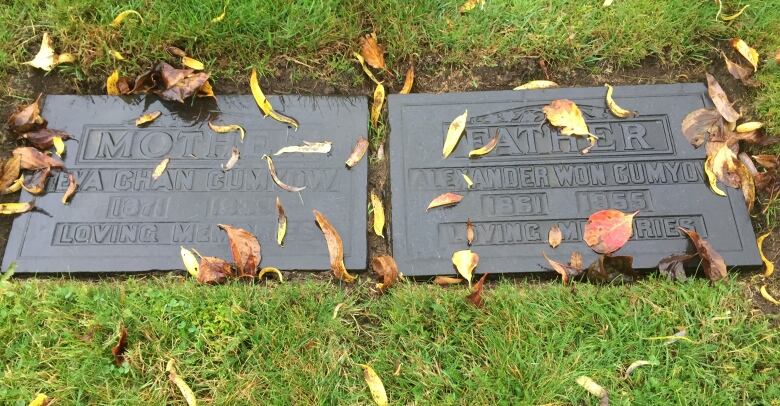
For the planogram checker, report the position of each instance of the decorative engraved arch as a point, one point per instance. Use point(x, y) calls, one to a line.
point(533, 115)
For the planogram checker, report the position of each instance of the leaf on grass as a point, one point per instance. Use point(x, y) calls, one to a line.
point(408, 80)
point(608, 230)
point(467, 179)
point(475, 297)
point(335, 247)
point(372, 52)
point(485, 149)
point(28, 118)
point(769, 266)
point(376, 106)
point(446, 280)
point(712, 263)
point(566, 271)
point(281, 222)
point(177, 87)
point(59, 146)
point(307, 148)
point(222, 129)
point(386, 268)
point(116, 54)
point(537, 84)
point(594, 389)
point(465, 262)
point(189, 395)
point(33, 159)
point(244, 248)
point(265, 105)
point(235, 154)
point(712, 179)
point(444, 200)
point(469, 232)
point(121, 345)
point(160, 168)
point(735, 15)
point(272, 169)
point(765, 294)
point(190, 262)
point(365, 68)
point(750, 54)
point(221, 17)
point(213, 270)
point(46, 58)
point(147, 118)
point(607, 267)
point(555, 236)
point(770, 162)
point(614, 108)
point(192, 63)
point(721, 101)
point(379, 214)
point(71, 190)
point(673, 266)
point(680, 335)
point(39, 181)
point(563, 113)
point(636, 364)
point(374, 385)
point(736, 70)
point(454, 133)
point(40, 400)
point(123, 15)
point(469, 5)
point(361, 146)
point(111, 84)
point(16, 208)
point(270, 269)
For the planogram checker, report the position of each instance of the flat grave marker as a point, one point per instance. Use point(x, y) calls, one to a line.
point(536, 178)
point(121, 220)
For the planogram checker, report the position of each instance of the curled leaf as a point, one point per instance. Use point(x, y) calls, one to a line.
point(272, 169)
point(119, 349)
point(563, 113)
point(712, 263)
point(608, 230)
point(376, 106)
point(307, 148)
point(46, 58)
point(111, 84)
point(281, 222)
point(747, 185)
point(375, 385)
point(750, 54)
point(244, 248)
point(357, 152)
point(594, 389)
point(190, 262)
point(40, 400)
point(765, 294)
point(469, 231)
point(227, 128)
point(446, 280)
point(71, 190)
point(537, 84)
point(39, 181)
point(735, 15)
point(454, 133)
point(614, 108)
point(335, 247)
point(386, 268)
point(43, 138)
point(11, 173)
point(33, 159)
point(235, 154)
point(673, 266)
point(770, 162)
point(59, 146)
point(372, 52)
point(189, 395)
point(712, 179)
point(16, 208)
point(117, 55)
point(147, 118)
point(160, 168)
point(206, 90)
point(272, 270)
point(769, 266)
point(566, 271)
point(379, 214)
point(736, 70)
point(365, 68)
point(192, 63)
point(485, 149)
point(408, 80)
point(467, 179)
point(265, 105)
point(636, 364)
point(721, 101)
point(554, 237)
point(465, 261)
point(28, 118)
point(123, 15)
point(475, 297)
point(213, 270)
point(445, 199)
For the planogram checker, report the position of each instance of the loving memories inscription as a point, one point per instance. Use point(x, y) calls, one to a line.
point(121, 219)
point(537, 177)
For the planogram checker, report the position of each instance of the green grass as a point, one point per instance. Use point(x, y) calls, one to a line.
point(243, 344)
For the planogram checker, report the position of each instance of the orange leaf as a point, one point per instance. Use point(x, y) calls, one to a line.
point(335, 247)
point(446, 280)
point(608, 230)
point(387, 269)
point(475, 297)
point(445, 199)
point(469, 231)
point(408, 81)
point(119, 349)
point(554, 237)
point(245, 250)
point(372, 52)
point(712, 263)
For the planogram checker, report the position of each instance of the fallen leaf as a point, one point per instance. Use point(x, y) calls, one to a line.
point(465, 261)
point(190, 262)
point(554, 237)
point(576, 261)
point(221, 17)
point(335, 247)
point(235, 154)
point(374, 385)
point(376, 106)
point(386, 268)
point(699, 124)
point(712, 179)
point(673, 266)
point(281, 222)
point(769, 162)
point(712, 263)
point(244, 248)
point(272, 169)
point(446, 280)
point(607, 267)
point(563, 113)
point(222, 129)
point(46, 58)
point(485, 149)
point(749, 165)
point(16, 208)
point(192, 63)
point(608, 230)
point(111, 84)
point(725, 166)
point(750, 54)
point(379, 214)
point(736, 70)
point(206, 90)
point(59, 146)
point(537, 84)
point(213, 270)
point(41, 400)
point(454, 133)
point(28, 118)
point(765, 294)
point(735, 15)
point(121, 17)
point(265, 105)
point(749, 126)
point(183, 88)
point(272, 270)
point(467, 179)
point(357, 152)
point(33, 159)
point(721, 101)
point(475, 297)
point(566, 271)
point(636, 364)
point(39, 181)
point(147, 118)
point(160, 168)
point(408, 80)
point(769, 266)
point(469, 231)
point(372, 52)
point(116, 54)
point(594, 389)
point(747, 185)
point(365, 68)
point(189, 395)
point(469, 5)
point(119, 349)
point(11, 173)
point(307, 148)
point(607, 3)
point(445, 199)
point(614, 108)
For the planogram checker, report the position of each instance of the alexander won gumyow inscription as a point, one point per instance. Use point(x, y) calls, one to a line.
point(537, 177)
point(121, 219)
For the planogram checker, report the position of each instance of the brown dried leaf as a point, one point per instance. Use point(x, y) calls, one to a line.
point(475, 297)
point(408, 80)
point(750, 54)
point(38, 181)
point(607, 268)
point(121, 345)
point(43, 138)
point(444, 200)
point(747, 185)
point(712, 263)
point(386, 268)
point(555, 236)
point(213, 270)
point(188, 86)
point(11, 169)
point(699, 124)
point(234, 156)
point(372, 52)
point(736, 70)
point(281, 222)
point(563, 113)
point(446, 280)
point(33, 159)
point(175, 51)
point(576, 261)
point(566, 271)
point(272, 169)
point(721, 101)
point(144, 83)
point(769, 162)
point(673, 266)
point(469, 231)
point(72, 186)
point(28, 118)
point(357, 152)
point(335, 247)
point(725, 165)
point(245, 250)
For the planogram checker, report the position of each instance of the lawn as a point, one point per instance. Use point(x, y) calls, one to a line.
point(271, 343)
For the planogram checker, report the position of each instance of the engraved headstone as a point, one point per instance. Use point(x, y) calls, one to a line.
point(121, 220)
point(536, 178)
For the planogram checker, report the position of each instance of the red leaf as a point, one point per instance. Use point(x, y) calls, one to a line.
point(608, 230)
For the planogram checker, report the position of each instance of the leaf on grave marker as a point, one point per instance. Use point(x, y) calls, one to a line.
point(59, 146)
point(374, 385)
point(121, 345)
point(192, 63)
point(469, 231)
point(725, 165)
point(575, 261)
point(467, 179)
point(235, 154)
point(607, 267)
point(11, 173)
point(213, 270)
point(270, 269)
point(281, 222)
point(379, 214)
point(40, 400)
point(111, 84)
point(673, 266)
point(445, 200)
point(307, 148)
point(39, 181)
point(372, 52)
point(469, 5)
point(28, 118)
point(750, 54)
point(222, 129)
point(485, 149)
point(123, 15)
point(335, 247)
point(749, 126)
point(699, 124)
point(594, 389)
point(608, 230)
point(33, 159)
point(190, 262)
point(721, 101)
point(736, 70)
point(160, 168)
point(465, 261)
point(147, 118)
point(636, 364)
point(769, 266)
point(386, 268)
point(765, 294)
point(376, 106)
point(272, 169)
point(408, 80)
point(265, 105)
point(357, 152)
point(537, 84)
point(16, 208)
point(244, 248)
point(735, 15)
point(554, 237)
point(712, 179)
point(46, 58)
point(446, 280)
point(614, 108)
point(566, 271)
point(564, 114)
point(186, 392)
point(712, 263)
point(454, 133)
point(770, 162)
point(365, 68)
point(475, 297)
point(747, 184)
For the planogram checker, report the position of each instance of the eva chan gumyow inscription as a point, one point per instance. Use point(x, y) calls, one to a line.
point(537, 177)
point(122, 219)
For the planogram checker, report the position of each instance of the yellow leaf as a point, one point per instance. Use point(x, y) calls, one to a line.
point(749, 126)
point(192, 63)
point(767, 296)
point(711, 178)
point(272, 270)
point(376, 107)
point(365, 68)
point(734, 16)
point(537, 84)
point(454, 133)
point(408, 81)
point(265, 105)
point(160, 168)
point(189, 395)
point(16, 208)
point(565, 114)
point(111, 88)
point(768, 265)
point(375, 385)
point(281, 223)
point(15, 187)
point(46, 58)
point(116, 55)
point(469, 5)
point(40, 400)
point(206, 90)
point(465, 261)
point(147, 118)
point(614, 108)
point(379, 214)
point(59, 146)
point(121, 17)
point(221, 16)
point(228, 128)
point(190, 262)
point(486, 149)
point(750, 54)
point(467, 179)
